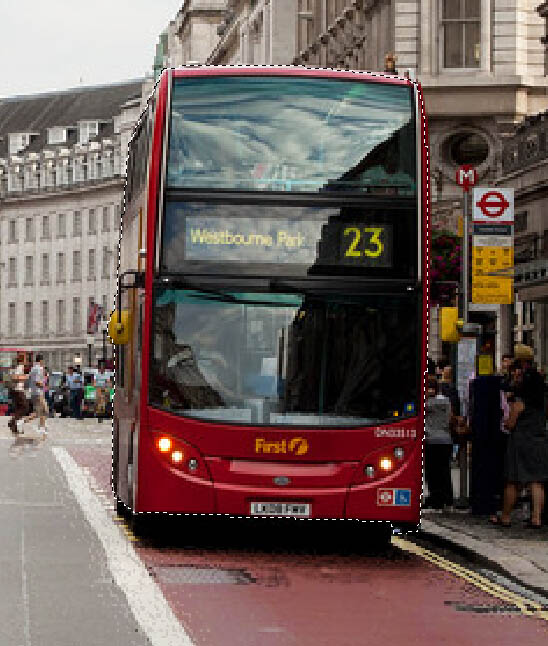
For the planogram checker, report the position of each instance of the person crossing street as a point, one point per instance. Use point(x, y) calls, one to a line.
point(17, 394)
point(102, 385)
point(76, 386)
point(37, 383)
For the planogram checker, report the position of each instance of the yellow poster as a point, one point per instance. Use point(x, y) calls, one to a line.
point(486, 288)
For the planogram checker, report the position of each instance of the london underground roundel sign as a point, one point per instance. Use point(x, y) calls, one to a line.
point(493, 205)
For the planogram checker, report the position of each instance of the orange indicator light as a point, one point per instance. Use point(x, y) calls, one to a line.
point(385, 464)
point(164, 444)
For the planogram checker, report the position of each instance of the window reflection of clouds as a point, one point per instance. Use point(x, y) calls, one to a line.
point(301, 125)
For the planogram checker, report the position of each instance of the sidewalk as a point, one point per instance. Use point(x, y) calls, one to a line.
point(518, 552)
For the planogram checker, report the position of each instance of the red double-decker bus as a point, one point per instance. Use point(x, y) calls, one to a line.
point(271, 318)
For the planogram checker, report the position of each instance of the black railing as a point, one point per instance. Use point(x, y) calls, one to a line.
point(528, 145)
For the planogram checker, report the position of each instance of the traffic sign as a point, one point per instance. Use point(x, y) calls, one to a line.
point(466, 177)
point(493, 205)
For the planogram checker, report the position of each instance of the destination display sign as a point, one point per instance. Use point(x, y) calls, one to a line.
point(286, 241)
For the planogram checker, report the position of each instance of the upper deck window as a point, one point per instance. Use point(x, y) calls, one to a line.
point(292, 134)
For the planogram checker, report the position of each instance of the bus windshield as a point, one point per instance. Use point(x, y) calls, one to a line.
point(285, 358)
point(292, 134)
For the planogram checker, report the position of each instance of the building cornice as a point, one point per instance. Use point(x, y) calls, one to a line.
point(81, 188)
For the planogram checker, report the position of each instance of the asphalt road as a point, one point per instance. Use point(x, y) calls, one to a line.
point(73, 573)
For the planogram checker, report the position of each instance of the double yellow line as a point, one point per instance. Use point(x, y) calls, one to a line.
point(121, 522)
point(526, 606)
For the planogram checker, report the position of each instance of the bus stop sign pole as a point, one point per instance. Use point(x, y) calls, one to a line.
point(466, 177)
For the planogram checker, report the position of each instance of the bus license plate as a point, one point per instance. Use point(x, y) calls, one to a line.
point(298, 509)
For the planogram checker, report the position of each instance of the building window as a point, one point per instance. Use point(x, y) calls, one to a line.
point(461, 33)
point(45, 227)
point(76, 265)
point(60, 316)
point(29, 232)
point(61, 225)
point(11, 319)
point(92, 222)
point(104, 305)
point(106, 257)
point(77, 224)
point(76, 315)
point(87, 130)
point(12, 272)
point(106, 222)
point(45, 268)
point(28, 270)
point(57, 135)
point(45, 317)
point(91, 264)
point(12, 231)
point(60, 267)
point(520, 222)
point(28, 319)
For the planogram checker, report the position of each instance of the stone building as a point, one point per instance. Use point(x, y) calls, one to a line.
point(525, 169)
point(481, 64)
point(62, 166)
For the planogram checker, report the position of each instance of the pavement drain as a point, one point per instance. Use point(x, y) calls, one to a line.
point(185, 574)
point(494, 609)
point(483, 610)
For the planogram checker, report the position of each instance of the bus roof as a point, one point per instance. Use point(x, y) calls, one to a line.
point(287, 70)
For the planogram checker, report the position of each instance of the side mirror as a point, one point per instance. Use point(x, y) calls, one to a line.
point(119, 327)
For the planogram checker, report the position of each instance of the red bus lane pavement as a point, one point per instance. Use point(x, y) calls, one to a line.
point(226, 594)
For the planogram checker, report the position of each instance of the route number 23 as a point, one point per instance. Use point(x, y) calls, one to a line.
point(374, 245)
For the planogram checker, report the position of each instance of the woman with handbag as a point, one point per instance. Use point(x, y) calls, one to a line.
point(527, 449)
point(17, 394)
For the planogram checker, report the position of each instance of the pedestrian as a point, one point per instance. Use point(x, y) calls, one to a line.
point(37, 384)
point(438, 448)
point(527, 448)
point(458, 427)
point(17, 395)
point(101, 382)
point(75, 384)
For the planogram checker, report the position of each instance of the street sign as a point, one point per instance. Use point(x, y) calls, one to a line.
point(493, 246)
point(466, 177)
point(493, 230)
point(491, 290)
point(493, 205)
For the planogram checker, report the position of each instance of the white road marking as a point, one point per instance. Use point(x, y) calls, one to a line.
point(145, 598)
point(24, 584)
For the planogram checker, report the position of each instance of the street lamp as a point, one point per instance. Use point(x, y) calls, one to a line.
point(90, 341)
point(104, 331)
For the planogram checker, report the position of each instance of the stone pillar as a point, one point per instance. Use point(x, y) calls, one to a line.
point(283, 32)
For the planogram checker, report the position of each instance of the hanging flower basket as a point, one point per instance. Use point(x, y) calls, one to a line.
point(445, 267)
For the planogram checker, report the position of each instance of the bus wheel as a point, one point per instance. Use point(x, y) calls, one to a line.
point(140, 525)
point(122, 509)
point(377, 536)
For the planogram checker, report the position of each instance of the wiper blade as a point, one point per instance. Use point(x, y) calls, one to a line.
point(213, 294)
